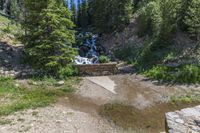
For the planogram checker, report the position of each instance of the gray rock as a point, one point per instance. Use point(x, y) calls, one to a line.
point(61, 83)
point(183, 121)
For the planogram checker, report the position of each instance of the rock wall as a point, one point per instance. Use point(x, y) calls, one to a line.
point(183, 121)
point(97, 69)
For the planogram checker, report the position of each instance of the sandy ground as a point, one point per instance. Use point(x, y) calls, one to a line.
point(79, 113)
point(55, 119)
point(133, 90)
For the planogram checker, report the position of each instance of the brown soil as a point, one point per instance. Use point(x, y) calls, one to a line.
point(138, 107)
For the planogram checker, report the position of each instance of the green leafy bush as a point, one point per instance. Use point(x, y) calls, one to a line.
point(68, 71)
point(183, 74)
point(188, 74)
point(127, 53)
point(7, 29)
point(159, 73)
point(188, 98)
point(104, 59)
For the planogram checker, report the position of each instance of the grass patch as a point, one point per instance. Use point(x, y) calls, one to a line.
point(5, 121)
point(41, 94)
point(189, 98)
point(10, 29)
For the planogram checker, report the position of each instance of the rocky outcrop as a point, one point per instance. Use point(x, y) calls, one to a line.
point(11, 58)
point(184, 121)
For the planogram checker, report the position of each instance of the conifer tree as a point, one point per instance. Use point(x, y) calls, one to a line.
point(84, 13)
point(170, 13)
point(50, 44)
point(109, 15)
point(79, 13)
point(73, 9)
point(31, 13)
point(192, 19)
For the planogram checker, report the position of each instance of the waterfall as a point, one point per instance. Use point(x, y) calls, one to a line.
point(88, 53)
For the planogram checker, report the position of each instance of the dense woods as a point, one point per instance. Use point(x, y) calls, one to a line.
point(108, 16)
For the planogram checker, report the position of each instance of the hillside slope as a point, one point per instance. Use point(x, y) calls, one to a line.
point(128, 46)
point(9, 30)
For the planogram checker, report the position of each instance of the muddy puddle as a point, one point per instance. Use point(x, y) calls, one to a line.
point(148, 120)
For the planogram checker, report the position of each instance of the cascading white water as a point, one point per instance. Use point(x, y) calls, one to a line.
point(91, 56)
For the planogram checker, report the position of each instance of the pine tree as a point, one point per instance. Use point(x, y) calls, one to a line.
point(150, 19)
point(184, 8)
point(31, 13)
point(84, 14)
point(73, 9)
point(109, 16)
point(192, 19)
point(79, 13)
point(170, 16)
point(122, 11)
point(50, 45)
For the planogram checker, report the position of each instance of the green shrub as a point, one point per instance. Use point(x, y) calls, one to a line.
point(67, 71)
point(188, 74)
point(150, 54)
point(7, 29)
point(188, 98)
point(104, 59)
point(127, 53)
point(159, 73)
point(183, 74)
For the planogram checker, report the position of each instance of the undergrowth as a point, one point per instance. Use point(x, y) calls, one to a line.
point(188, 98)
point(182, 74)
point(10, 29)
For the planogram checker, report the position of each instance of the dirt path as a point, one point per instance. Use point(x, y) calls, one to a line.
point(81, 112)
point(55, 119)
point(133, 90)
